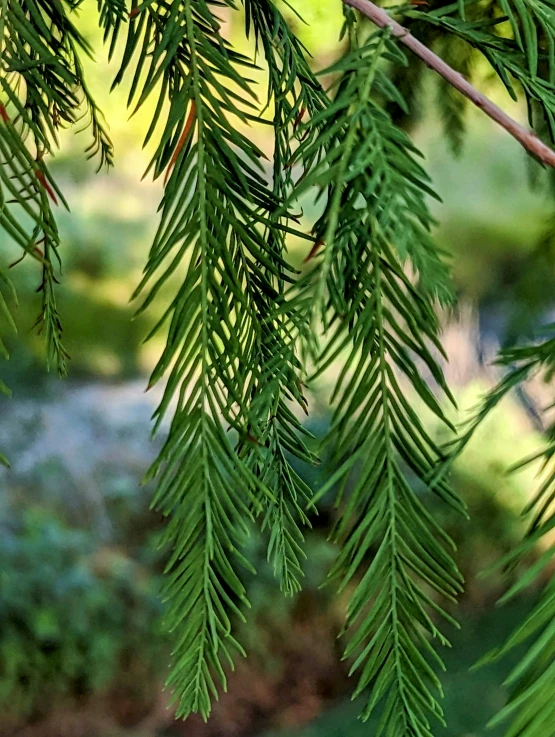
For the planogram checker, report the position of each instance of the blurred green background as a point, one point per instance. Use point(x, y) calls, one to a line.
point(81, 652)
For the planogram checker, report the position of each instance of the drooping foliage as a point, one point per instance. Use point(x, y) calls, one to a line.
point(375, 218)
point(245, 333)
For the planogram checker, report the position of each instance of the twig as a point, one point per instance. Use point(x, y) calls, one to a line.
point(524, 136)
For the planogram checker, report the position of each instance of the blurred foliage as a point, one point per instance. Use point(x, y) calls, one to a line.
point(75, 620)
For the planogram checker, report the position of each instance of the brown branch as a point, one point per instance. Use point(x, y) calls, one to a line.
point(525, 137)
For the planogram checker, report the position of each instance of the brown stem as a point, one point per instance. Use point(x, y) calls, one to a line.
point(525, 137)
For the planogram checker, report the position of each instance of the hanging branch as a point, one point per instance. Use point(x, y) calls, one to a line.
point(527, 139)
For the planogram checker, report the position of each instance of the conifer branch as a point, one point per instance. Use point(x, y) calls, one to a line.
point(527, 138)
point(376, 219)
point(242, 328)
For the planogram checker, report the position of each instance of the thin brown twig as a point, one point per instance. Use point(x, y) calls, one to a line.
point(527, 138)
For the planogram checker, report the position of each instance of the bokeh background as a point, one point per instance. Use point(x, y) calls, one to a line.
point(81, 652)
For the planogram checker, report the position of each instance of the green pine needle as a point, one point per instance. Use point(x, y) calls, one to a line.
point(243, 329)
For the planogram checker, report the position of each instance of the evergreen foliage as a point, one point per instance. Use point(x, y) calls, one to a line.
point(530, 708)
point(245, 332)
